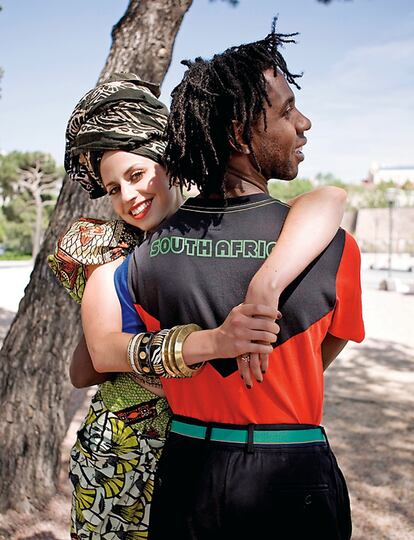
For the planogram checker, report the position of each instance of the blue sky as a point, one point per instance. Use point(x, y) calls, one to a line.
point(357, 57)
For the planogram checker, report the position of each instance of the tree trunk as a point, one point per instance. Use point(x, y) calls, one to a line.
point(34, 386)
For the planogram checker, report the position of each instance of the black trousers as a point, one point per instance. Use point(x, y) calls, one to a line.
point(212, 490)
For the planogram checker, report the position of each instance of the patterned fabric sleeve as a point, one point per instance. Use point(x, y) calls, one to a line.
point(89, 242)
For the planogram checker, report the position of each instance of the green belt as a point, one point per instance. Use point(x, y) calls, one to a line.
point(218, 434)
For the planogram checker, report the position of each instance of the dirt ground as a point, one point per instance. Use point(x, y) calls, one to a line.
point(369, 418)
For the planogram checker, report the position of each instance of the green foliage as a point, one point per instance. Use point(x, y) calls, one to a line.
point(359, 195)
point(373, 196)
point(329, 179)
point(3, 224)
point(9, 166)
point(19, 237)
point(14, 256)
point(13, 163)
point(286, 190)
point(19, 217)
point(18, 212)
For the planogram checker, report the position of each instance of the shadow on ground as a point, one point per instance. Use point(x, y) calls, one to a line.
point(369, 413)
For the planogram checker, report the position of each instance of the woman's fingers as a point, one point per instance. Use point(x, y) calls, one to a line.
point(252, 366)
point(264, 362)
point(257, 335)
point(250, 323)
point(260, 310)
point(243, 363)
point(254, 329)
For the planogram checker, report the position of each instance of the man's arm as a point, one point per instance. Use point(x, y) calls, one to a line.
point(331, 347)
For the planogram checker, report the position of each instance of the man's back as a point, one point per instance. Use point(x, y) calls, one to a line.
point(201, 261)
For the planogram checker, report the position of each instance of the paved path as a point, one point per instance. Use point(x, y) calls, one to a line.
point(369, 416)
point(14, 276)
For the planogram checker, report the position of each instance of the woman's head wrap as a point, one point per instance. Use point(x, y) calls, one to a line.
point(120, 114)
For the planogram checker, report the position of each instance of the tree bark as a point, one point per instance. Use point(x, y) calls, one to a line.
point(34, 386)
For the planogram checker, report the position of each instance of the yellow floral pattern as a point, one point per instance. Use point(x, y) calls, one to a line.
point(112, 467)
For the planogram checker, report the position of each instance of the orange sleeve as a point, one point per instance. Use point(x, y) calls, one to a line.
point(347, 322)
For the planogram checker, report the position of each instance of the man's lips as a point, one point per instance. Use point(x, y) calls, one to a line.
point(138, 211)
point(299, 150)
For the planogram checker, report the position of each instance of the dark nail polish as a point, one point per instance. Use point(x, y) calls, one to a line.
point(249, 386)
point(263, 371)
point(258, 380)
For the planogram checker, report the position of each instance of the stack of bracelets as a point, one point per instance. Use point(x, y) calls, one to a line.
point(161, 355)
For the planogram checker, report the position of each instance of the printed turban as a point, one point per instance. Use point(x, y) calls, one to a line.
point(123, 113)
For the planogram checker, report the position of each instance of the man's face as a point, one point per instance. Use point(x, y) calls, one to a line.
point(278, 148)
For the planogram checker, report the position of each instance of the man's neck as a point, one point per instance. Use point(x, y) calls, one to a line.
point(243, 178)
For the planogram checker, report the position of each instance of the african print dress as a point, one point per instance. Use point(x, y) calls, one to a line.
point(114, 458)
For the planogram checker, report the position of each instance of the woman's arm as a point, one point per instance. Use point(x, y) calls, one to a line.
point(240, 333)
point(81, 370)
point(311, 224)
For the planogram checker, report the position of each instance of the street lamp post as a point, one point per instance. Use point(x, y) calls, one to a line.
point(391, 196)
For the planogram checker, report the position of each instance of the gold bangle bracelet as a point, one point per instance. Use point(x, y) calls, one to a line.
point(164, 353)
point(181, 336)
point(171, 352)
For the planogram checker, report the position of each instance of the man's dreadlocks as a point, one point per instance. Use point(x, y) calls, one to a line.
point(213, 93)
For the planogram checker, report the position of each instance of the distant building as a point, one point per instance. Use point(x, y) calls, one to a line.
point(400, 174)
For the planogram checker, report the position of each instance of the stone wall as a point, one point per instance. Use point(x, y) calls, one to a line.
point(370, 226)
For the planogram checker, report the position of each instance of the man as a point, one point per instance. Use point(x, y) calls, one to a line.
point(245, 463)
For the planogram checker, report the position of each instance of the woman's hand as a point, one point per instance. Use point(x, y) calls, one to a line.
point(249, 329)
point(247, 333)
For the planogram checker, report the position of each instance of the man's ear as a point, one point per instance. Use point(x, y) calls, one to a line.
point(236, 140)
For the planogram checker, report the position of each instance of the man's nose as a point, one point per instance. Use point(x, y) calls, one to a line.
point(304, 123)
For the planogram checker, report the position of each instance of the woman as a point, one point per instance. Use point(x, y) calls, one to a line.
point(115, 145)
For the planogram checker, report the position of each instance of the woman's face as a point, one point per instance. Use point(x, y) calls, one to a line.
point(138, 188)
